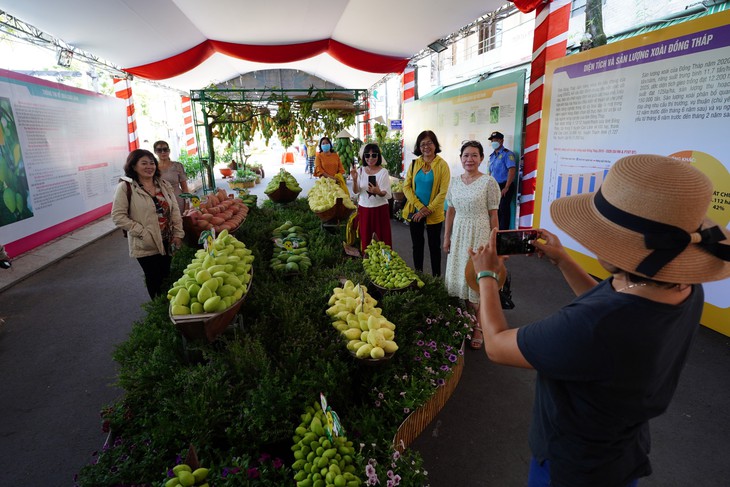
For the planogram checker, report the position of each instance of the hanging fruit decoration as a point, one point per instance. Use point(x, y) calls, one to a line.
point(285, 123)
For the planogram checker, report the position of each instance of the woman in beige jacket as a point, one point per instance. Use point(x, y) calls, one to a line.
point(146, 208)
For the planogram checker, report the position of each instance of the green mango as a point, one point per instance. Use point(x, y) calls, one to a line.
point(211, 304)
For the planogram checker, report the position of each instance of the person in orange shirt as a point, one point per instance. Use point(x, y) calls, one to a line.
point(327, 164)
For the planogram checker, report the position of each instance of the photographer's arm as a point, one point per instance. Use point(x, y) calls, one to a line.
point(500, 341)
point(576, 277)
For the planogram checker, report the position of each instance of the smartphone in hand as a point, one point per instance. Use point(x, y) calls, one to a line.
point(372, 180)
point(516, 242)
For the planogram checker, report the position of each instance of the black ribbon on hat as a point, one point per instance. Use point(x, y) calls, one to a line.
point(666, 241)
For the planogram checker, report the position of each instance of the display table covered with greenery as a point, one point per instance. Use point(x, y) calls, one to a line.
point(239, 399)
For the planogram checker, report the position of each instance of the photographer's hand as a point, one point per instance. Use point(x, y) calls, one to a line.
point(576, 277)
point(500, 341)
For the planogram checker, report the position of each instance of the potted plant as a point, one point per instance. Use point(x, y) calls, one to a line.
point(245, 178)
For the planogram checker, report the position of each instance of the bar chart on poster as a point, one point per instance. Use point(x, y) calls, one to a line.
point(665, 92)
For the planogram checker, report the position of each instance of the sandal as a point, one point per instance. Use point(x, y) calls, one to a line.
point(477, 342)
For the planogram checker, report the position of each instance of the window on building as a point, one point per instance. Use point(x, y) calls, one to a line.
point(490, 36)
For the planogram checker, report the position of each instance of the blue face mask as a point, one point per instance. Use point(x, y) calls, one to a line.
point(495, 145)
point(326, 147)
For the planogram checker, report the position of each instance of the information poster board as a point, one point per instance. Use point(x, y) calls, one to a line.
point(666, 92)
point(471, 112)
point(62, 151)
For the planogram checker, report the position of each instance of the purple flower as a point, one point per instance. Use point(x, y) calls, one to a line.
point(453, 358)
point(390, 483)
point(420, 343)
point(224, 473)
point(403, 394)
point(264, 457)
point(377, 404)
point(253, 473)
point(428, 321)
point(277, 463)
point(370, 470)
point(406, 410)
point(440, 382)
point(390, 474)
point(445, 368)
point(417, 358)
point(381, 395)
point(396, 455)
point(426, 354)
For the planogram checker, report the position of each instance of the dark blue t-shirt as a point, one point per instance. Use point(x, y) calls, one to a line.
point(607, 363)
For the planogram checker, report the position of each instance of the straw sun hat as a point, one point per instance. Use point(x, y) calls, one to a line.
point(649, 218)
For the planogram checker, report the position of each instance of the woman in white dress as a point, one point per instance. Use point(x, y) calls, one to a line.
point(473, 200)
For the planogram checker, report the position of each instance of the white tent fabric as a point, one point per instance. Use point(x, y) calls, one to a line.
point(133, 33)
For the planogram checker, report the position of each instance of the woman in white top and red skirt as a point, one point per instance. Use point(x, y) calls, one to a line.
point(371, 182)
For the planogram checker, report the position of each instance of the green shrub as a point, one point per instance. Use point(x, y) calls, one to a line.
point(239, 399)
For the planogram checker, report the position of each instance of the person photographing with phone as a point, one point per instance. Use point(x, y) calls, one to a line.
point(610, 361)
point(371, 184)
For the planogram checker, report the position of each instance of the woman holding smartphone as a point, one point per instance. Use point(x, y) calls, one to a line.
point(473, 199)
point(371, 182)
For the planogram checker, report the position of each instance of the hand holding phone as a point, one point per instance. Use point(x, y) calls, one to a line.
point(516, 242)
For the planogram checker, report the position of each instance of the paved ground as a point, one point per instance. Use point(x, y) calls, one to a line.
point(68, 304)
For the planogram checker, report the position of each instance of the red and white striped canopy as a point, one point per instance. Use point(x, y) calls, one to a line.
point(189, 44)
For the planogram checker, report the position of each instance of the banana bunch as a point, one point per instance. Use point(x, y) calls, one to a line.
point(397, 187)
point(211, 284)
point(321, 460)
point(386, 268)
point(355, 314)
point(324, 194)
point(187, 477)
point(346, 151)
point(290, 249)
point(289, 180)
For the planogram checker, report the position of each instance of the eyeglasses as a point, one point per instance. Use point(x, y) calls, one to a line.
point(426, 143)
point(370, 156)
point(162, 149)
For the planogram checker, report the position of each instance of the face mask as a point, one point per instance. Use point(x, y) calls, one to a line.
point(326, 147)
point(495, 145)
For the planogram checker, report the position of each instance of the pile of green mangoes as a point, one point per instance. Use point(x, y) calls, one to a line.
point(289, 180)
point(356, 316)
point(187, 477)
point(290, 249)
point(318, 460)
point(386, 268)
point(346, 151)
point(212, 283)
point(324, 195)
point(250, 200)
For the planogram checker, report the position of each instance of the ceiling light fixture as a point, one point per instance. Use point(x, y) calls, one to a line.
point(437, 46)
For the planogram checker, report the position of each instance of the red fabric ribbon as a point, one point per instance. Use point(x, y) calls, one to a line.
point(527, 6)
point(350, 56)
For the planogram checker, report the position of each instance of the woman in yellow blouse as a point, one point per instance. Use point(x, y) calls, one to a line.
point(425, 187)
point(327, 164)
